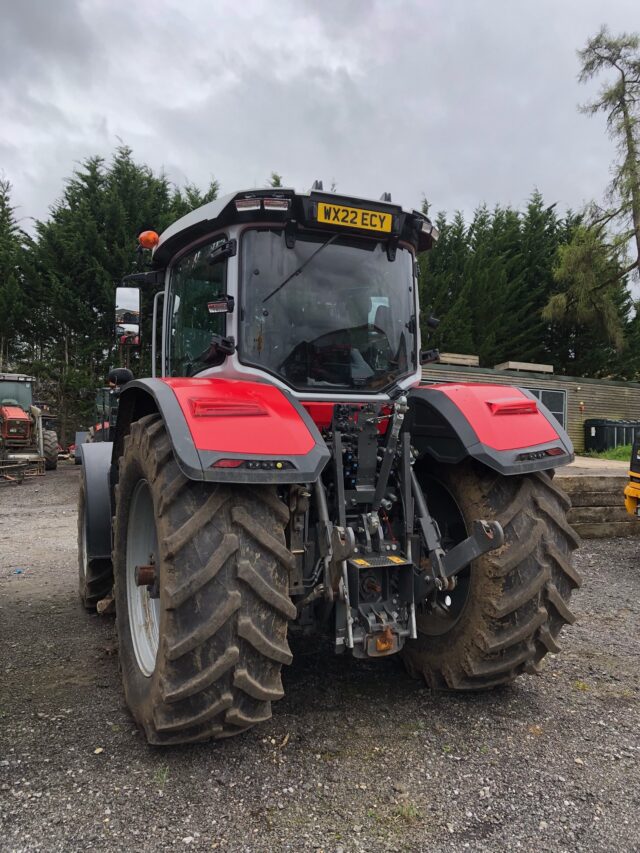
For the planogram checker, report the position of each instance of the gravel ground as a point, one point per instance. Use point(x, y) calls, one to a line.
point(356, 757)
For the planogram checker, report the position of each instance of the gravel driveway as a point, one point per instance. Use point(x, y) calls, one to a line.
point(356, 757)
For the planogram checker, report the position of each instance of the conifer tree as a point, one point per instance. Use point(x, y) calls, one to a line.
point(78, 258)
point(12, 303)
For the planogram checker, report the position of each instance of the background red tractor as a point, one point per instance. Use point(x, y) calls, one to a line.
point(285, 469)
point(26, 436)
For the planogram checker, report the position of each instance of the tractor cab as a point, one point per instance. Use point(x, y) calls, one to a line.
point(314, 292)
point(16, 389)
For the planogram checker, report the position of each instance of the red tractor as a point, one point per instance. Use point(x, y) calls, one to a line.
point(286, 469)
point(26, 438)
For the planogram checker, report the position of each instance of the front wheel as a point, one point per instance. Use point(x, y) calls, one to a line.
point(509, 605)
point(201, 586)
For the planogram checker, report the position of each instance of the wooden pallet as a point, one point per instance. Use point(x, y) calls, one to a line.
point(12, 473)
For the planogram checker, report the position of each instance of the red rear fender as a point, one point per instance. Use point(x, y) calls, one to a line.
point(230, 430)
point(504, 427)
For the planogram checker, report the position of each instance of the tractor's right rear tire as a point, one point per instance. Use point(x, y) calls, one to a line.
point(204, 660)
point(509, 606)
point(50, 442)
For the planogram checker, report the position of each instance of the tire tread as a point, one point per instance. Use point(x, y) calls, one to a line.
point(224, 583)
point(524, 588)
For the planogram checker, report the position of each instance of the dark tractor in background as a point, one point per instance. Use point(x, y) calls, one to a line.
point(105, 411)
point(285, 469)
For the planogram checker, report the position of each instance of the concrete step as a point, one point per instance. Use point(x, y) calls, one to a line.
point(608, 499)
point(608, 530)
point(589, 514)
point(597, 500)
point(592, 483)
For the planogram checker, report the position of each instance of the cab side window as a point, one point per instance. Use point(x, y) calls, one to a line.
point(195, 282)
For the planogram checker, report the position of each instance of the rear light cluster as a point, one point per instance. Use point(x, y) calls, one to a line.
point(245, 204)
point(541, 454)
point(254, 464)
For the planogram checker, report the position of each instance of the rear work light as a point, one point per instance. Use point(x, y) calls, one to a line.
point(275, 203)
point(244, 204)
point(513, 407)
point(217, 408)
point(248, 204)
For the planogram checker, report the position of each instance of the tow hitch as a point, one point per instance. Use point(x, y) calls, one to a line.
point(444, 566)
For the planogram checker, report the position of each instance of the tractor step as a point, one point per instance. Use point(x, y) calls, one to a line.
point(374, 561)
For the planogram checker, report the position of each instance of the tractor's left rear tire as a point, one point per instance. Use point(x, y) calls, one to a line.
point(201, 650)
point(50, 441)
point(95, 576)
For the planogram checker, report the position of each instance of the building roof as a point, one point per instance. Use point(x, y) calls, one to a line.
point(517, 375)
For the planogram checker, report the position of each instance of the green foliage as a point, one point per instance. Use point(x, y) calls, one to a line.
point(12, 302)
point(61, 290)
point(505, 289)
point(619, 100)
point(586, 271)
point(620, 454)
point(590, 302)
point(275, 180)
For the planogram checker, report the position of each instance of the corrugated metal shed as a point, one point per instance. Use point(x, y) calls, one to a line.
point(583, 398)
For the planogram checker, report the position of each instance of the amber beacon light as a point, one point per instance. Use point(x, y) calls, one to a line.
point(148, 239)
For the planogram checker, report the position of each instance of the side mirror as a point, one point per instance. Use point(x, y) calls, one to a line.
point(429, 356)
point(222, 250)
point(128, 316)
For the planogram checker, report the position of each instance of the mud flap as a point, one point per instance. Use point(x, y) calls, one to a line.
point(96, 462)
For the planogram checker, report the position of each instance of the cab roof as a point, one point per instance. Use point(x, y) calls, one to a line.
point(286, 206)
point(16, 377)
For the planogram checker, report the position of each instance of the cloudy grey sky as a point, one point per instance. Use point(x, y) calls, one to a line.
point(463, 100)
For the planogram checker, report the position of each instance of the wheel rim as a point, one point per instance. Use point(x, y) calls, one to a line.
point(441, 612)
point(142, 548)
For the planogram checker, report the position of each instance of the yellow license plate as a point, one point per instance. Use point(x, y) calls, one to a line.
point(354, 217)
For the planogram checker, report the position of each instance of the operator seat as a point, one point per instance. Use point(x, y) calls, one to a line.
point(380, 353)
point(383, 320)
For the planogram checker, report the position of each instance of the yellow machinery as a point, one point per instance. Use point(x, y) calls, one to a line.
point(632, 489)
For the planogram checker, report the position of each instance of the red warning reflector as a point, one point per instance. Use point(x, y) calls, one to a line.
point(218, 408)
point(513, 406)
point(228, 463)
